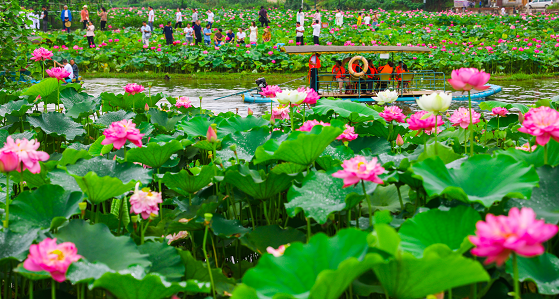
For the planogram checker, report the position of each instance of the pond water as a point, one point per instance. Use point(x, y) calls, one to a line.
point(526, 92)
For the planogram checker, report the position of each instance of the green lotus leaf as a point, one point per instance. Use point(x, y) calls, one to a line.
point(236, 124)
point(151, 286)
point(227, 228)
point(164, 120)
point(247, 143)
point(97, 244)
point(258, 184)
point(114, 102)
point(4, 136)
point(542, 270)
point(110, 117)
point(323, 268)
point(43, 88)
point(198, 271)
point(79, 103)
point(535, 158)
point(444, 152)
point(32, 275)
point(15, 246)
point(340, 152)
point(15, 108)
point(377, 145)
point(71, 156)
point(271, 236)
point(472, 183)
point(503, 121)
point(97, 149)
point(545, 199)
point(300, 147)
point(61, 178)
point(354, 112)
point(319, 196)
point(164, 259)
point(154, 154)
point(489, 105)
point(378, 128)
point(185, 183)
point(436, 226)
point(58, 124)
point(288, 168)
point(440, 269)
point(198, 127)
point(47, 207)
point(386, 198)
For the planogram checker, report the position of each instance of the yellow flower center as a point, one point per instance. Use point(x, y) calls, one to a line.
point(360, 164)
point(59, 253)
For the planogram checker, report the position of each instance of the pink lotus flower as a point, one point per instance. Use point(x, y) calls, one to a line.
point(270, 53)
point(391, 113)
point(58, 73)
point(27, 154)
point(145, 202)
point(348, 134)
point(280, 113)
point(120, 131)
point(41, 54)
point(273, 61)
point(399, 140)
point(312, 96)
point(499, 111)
point(9, 161)
point(250, 112)
point(357, 169)
point(498, 236)
point(211, 135)
point(176, 236)
point(526, 147)
point(183, 102)
point(133, 88)
point(309, 124)
point(270, 91)
point(468, 79)
point(205, 52)
point(427, 125)
point(461, 117)
point(542, 122)
point(51, 257)
point(277, 252)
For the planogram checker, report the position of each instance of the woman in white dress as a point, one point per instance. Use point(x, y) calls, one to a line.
point(178, 18)
point(301, 17)
point(253, 33)
point(339, 18)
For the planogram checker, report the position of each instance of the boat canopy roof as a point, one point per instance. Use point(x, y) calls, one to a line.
point(352, 49)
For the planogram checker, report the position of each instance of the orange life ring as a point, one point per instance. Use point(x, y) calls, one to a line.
point(364, 68)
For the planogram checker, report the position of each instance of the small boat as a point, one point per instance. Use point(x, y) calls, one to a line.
point(254, 98)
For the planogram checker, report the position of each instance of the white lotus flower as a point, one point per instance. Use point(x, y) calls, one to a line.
point(287, 97)
point(386, 97)
point(436, 102)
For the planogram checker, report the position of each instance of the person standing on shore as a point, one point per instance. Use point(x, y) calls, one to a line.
point(178, 18)
point(90, 35)
point(301, 17)
point(84, 17)
point(263, 13)
point(317, 17)
point(103, 16)
point(197, 32)
point(146, 33)
point(367, 20)
point(188, 33)
point(208, 34)
point(194, 17)
point(339, 18)
point(299, 39)
point(168, 31)
point(45, 18)
point(253, 33)
point(211, 17)
point(316, 32)
point(66, 17)
point(151, 17)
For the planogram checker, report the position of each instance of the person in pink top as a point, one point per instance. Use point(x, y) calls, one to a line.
point(84, 17)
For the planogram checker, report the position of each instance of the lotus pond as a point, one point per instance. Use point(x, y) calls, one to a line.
point(136, 193)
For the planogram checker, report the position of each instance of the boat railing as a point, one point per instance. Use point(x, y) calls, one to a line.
point(413, 83)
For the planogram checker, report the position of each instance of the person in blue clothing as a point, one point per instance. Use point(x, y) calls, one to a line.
point(208, 35)
point(168, 31)
point(66, 16)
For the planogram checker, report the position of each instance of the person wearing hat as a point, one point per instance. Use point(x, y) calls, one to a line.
point(66, 17)
point(84, 14)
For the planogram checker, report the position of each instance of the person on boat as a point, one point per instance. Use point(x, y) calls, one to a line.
point(385, 69)
point(314, 65)
point(75, 69)
point(340, 74)
point(370, 76)
point(399, 71)
point(67, 67)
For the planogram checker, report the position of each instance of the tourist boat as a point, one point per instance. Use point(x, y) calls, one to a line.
point(410, 85)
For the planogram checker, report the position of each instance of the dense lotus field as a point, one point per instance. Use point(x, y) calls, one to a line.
point(141, 195)
point(498, 44)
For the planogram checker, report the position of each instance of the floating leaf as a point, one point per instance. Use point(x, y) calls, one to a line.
point(79, 103)
point(470, 184)
point(236, 124)
point(163, 119)
point(58, 124)
point(154, 154)
point(110, 117)
point(354, 112)
point(271, 236)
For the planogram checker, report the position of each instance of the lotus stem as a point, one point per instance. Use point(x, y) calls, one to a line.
point(120, 215)
point(390, 129)
point(53, 290)
point(400, 197)
point(124, 149)
point(368, 203)
point(304, 110)
point(208, 260)
point(308, 229)
point(515, 278)
point(544, 155)
point(161, 204)
point(291, 117)
point(470, 127)
point(436, 130)
point(6, 222)
point(30, 289)
point(58, 97)
point(450, 293)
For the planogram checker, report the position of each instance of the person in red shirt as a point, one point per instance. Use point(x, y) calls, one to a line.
point(370, 75)
point(314, 65)
point(340, 74)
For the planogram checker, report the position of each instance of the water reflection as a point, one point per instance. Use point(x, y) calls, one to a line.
point(525, 92)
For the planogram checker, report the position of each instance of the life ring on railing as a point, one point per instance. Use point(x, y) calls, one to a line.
point(364, 68)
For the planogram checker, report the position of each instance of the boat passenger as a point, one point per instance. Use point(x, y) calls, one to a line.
point(340, 74)
point(370, 76)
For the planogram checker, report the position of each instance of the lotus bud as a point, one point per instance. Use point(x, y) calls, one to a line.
point(272, 119)
point(211, 135)
point(9, 161)
point(399, 140)
point(250, 111)
point(146, 107)
point(520, 117)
